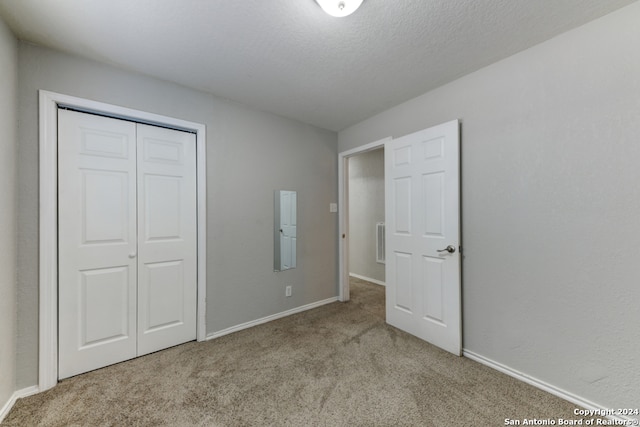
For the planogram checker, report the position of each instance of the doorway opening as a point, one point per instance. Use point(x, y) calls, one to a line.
point(422, 234)
point(360, 172)
point(366, 257)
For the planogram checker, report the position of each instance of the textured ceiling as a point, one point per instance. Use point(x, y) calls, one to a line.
point(289, 57)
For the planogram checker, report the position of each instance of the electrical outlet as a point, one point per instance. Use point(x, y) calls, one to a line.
point(287, 291)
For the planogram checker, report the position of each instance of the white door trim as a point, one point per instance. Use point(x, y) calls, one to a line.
point(343, 212)
point(48, 216)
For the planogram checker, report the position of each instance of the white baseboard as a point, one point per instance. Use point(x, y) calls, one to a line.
point(549, 388)
point(14, 397)
point(247, 325)
point(368, 279)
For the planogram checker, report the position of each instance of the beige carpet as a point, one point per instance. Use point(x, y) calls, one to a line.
point(338, 365)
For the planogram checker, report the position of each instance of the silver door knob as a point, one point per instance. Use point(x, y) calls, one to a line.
point(449, 249)
point(132, 255)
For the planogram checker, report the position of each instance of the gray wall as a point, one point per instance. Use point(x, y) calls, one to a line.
point(249, 154)
point(550, 205)
point(366, 208)
point(8, 211)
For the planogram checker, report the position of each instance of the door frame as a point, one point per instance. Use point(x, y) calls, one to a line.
point(49, 102)
point(343, 213)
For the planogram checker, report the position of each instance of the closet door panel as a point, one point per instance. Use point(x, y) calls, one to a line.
point(167, 241)
point(97, 235)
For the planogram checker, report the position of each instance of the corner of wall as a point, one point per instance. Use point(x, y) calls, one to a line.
point(8, 216)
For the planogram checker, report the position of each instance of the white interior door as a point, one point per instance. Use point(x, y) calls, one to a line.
point(166, 238)
point(422, 209)
point(97, 235)
point(288, 229)
point(127, 240)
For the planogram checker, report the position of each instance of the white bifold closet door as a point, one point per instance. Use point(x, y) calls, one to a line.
point(127, 240)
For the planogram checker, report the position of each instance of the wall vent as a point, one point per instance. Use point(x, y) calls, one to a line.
point(380, 243)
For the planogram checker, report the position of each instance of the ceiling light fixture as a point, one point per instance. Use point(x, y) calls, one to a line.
point(339, 8)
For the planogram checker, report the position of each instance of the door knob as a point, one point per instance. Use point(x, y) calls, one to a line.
point(449, 249)
point(132, 255)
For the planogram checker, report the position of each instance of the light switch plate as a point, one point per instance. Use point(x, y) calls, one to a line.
point(333, 207)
